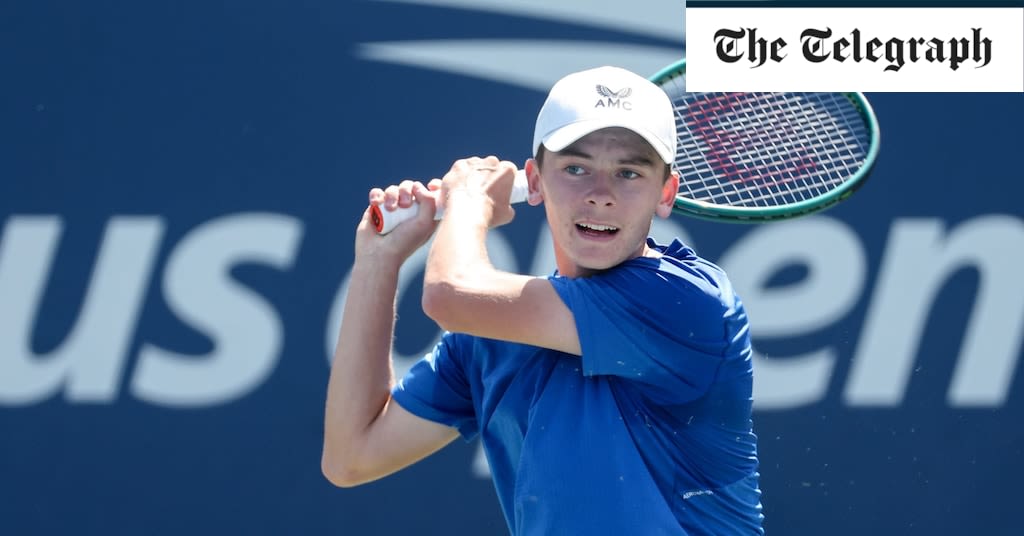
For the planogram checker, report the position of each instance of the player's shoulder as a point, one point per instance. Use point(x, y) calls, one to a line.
point(681, 273)
point(678, 261)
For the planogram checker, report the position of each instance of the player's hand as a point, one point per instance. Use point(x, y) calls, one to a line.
point(482, 183)
point(405, 239)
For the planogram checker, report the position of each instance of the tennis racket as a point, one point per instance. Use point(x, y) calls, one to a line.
point(753, 157)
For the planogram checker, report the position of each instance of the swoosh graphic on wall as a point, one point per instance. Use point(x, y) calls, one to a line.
point(538, 63)
point(665, 19)
point(532, 64)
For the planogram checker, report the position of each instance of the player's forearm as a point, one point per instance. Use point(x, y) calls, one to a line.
point(361, 374)
point(458, 265)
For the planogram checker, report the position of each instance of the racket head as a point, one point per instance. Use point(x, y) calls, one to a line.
point(755, 157)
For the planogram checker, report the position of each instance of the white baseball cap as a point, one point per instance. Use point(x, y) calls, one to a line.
point(587, 101)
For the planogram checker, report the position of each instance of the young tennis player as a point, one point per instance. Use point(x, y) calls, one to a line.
point(612, 397)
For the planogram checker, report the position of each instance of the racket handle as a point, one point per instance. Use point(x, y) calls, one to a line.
point(386, 220)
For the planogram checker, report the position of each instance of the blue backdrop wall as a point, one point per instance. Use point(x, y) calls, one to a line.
point(179, 185)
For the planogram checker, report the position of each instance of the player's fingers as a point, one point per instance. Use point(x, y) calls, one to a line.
point(405, 195)
point(376, 196)
point(490, 160)
point(486, 164)
point(507, 165)
point(390, 200)
point(426, 199)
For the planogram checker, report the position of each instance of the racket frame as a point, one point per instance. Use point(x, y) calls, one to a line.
point(742, 214)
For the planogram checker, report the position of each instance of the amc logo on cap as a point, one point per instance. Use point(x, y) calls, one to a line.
point(613, 99)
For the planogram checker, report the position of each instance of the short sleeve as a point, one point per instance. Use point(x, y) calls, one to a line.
point(653, 322)
point(436, 389)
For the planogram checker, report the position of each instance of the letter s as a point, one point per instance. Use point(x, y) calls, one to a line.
point(245, 329)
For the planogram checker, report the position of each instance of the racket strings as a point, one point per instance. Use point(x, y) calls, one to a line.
point(770, 161)
point(765, 149)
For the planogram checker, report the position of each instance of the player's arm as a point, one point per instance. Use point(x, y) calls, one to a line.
point(464, 292)
point(366, 434)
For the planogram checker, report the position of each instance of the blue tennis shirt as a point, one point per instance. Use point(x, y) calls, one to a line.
point(649, 432)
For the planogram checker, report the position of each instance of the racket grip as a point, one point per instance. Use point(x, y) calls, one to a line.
point(386, 220)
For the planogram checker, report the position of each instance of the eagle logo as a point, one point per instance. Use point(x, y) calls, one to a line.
point(605, 91)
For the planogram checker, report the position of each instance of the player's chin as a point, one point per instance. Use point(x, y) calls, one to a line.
point(600, 260)
point(591, 255)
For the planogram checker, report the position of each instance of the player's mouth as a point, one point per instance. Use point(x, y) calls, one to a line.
point(596, 230)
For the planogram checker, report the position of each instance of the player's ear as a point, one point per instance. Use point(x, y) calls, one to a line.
point(534, 196)
point(668, 195)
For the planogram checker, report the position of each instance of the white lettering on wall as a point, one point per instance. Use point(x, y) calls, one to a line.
point(245, 328)
point(919, 258)
point(90, 361)
point(247, 333)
